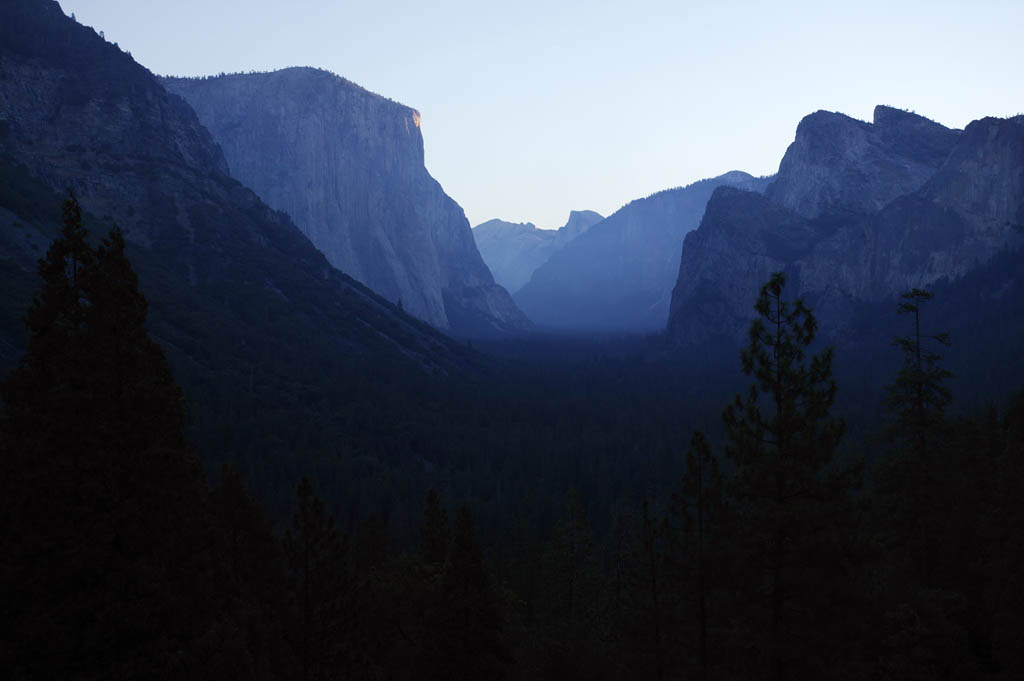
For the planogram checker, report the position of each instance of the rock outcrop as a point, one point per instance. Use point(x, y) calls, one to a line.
point(858, 213)
point(347, 166)
point(514, 250)
point(839, 165)
point(618, 276)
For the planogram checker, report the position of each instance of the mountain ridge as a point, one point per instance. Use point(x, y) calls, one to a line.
point(618, 276)
point(514, 250)
point(861, 219)
point(249, 312)
point(348, 166)
point(838, 164)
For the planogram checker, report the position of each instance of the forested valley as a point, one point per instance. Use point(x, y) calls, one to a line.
point(563, 508)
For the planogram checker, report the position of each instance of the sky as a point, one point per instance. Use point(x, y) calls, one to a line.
point(531, 109)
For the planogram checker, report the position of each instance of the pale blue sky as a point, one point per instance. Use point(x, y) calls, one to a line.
point(531, 109)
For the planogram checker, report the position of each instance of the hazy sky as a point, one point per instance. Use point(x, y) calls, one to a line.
point(531, 109)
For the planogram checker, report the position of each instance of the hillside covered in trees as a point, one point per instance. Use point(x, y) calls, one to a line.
point(779, 545)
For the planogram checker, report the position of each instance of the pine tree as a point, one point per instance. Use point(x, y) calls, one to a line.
point(571, 588)
point(253, 581)
point(47, 387)
point(645, 603)
point(571, 567)
point(317, 562)
point(109, 536)
point(790, 509)
point(699, 517)
point(470, 626)
point(915, 483)
point(92, 379)
point(919, 396)
point(141, 404)
point(697, 560)
point(1007, 592)
point(934, 514)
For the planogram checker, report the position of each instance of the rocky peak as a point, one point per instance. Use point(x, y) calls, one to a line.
point(913, 136)
point(500, 228)
point(514, 250)
point(839, 165)
point(966, 205)
point(578, 223)
point(885, 116)
point(347, 166)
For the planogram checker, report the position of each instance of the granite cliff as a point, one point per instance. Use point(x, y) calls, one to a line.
point(224, 273)
point(858, 213)
point(839, 165)
point(347, 166)
point(618, 276)
point(514, 250)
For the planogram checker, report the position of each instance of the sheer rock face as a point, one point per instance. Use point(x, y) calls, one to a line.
point(347, 166)
point(742, 239)
point(618, 276)
point(983, 178)
point(77, 112)
point(845, 234)
point(839, 165)
point(514, 250)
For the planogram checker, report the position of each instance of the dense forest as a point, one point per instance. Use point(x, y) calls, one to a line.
point(567, 509)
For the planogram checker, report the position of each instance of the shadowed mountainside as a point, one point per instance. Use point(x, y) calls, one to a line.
point(257, 325)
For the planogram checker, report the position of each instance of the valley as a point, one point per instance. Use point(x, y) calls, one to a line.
point(273, 409)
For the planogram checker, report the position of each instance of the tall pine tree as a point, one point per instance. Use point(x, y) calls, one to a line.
point(792, 512)
point(918, 484)
point(919, 396)
point(322, 630)
point(698, 556)
point(469, 633)
point(107, 543)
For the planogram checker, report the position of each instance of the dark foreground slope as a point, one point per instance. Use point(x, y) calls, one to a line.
point(258, 326)
point(347, 166)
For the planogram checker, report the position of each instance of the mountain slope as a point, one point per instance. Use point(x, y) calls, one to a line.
point(917, 205)
point(619, 275)
point(279, 353)
point(347, 166)
point(513, 251)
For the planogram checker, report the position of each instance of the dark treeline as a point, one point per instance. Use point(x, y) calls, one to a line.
point(773, 543)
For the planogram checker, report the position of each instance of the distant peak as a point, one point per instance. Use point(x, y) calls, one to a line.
point(497, 224)
point(889, 116)
point(735, 176)
point(826, 119)
point(579, 222)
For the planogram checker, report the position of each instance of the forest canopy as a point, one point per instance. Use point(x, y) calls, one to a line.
point(771, 543)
